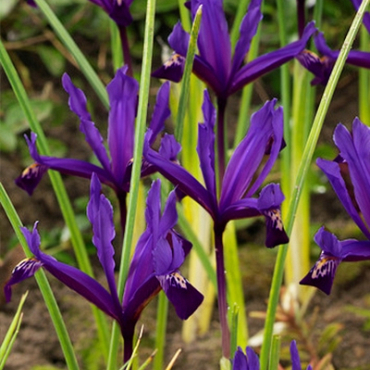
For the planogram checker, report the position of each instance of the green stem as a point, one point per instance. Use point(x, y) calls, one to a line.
point(80, 58)
point(301, 176)
point(116, 45)
point(58, 186)
point(364, 80)
point(136, 169)
point(185, 85)
point(285, 99)
point(184, 16)
point(12, 332)
point(43, 283)
point(160, 337)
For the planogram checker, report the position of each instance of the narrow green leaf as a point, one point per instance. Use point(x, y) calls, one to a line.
point(184, 94)
point(12, 333)
point(160, 332)
point(275, 353)
point(43, 283)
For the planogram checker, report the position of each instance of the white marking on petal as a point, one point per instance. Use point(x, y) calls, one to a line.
point(177, 280)
point(275, 216)
point(324, 267)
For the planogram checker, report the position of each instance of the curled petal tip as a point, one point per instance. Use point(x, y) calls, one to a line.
point(275, 234)
point(184, 297)
point(322, 274)
point(172, 70)
point(30, 177)
point(25, 269)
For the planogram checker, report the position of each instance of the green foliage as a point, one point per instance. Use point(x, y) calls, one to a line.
point(330, 338)
point(12, 333)
point(14, 121)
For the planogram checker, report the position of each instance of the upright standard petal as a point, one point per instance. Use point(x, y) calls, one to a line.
point(355, 149)
point(333, 173)
point(248, 29)
point(161, 112)
point(100, 215)
point(122, 92)
point(296, 361)
point(77, 99)
point(247, 361)
point(77, 103)
point(249, 154)
point(206, 145)
point(214, 37)
point(159, 254)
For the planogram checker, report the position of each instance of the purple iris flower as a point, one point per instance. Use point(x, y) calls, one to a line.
point(115, 170)
point(155, 265)
point(247, 361)
point(354, 157)
point(216, 64)
point(250, 361)
point(321, 67)
point(239, 185)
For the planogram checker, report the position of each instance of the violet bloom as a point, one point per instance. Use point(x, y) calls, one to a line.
point(115, 170)
point(322, 67)
point(355, 157)
point(221, 69)
point(155, 265)
point(250, 361)
point(239, 184)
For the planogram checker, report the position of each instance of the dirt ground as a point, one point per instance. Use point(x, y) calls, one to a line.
point(37, 344)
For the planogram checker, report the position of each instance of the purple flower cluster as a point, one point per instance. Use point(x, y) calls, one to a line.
point(229, 191)
point(222, 70)
point(353, 159)
point(250, 361)
point(155, 264)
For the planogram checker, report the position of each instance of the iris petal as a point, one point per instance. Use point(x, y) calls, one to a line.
point(122, 91)
point(100, 214)
point(248, 29)
point(184, 297)
point(355, 149)
point(268, 62)
point(22, 271)
point(30, 177)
